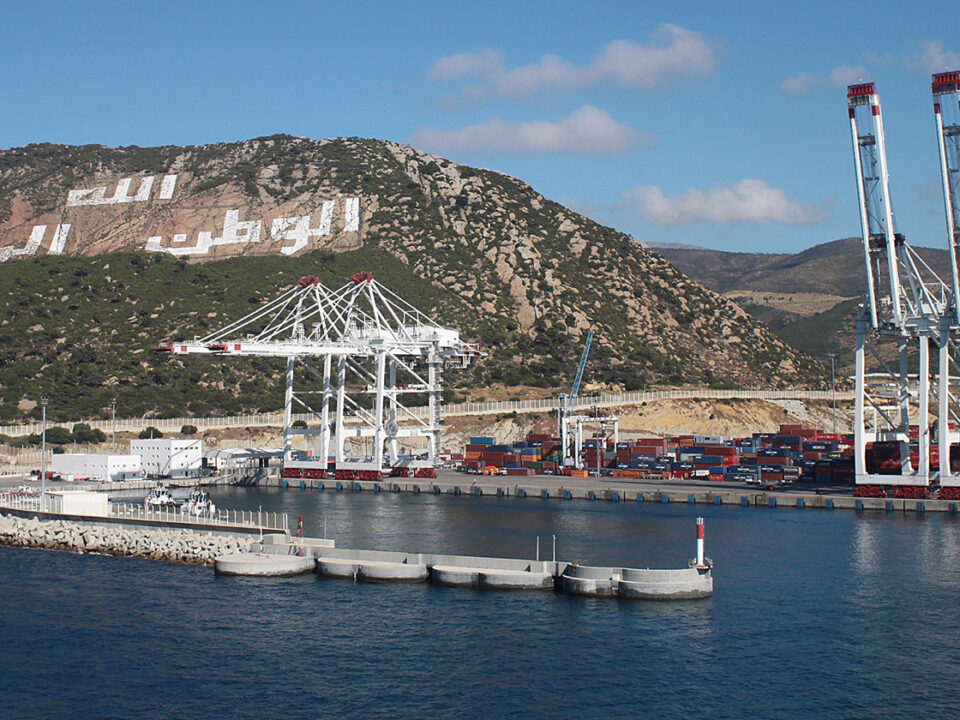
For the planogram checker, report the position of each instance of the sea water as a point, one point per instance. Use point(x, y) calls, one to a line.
point(814, 613)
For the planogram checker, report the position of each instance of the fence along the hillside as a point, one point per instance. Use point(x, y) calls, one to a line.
point(168, 425)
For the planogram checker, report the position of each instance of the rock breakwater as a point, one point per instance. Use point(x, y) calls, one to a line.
point(186, 546)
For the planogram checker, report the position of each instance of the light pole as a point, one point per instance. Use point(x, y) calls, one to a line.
point(43, 455)
point(113, 404)
point(833, 385)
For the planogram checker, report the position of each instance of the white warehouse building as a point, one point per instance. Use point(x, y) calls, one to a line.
point(169, 457)
point(104, 468)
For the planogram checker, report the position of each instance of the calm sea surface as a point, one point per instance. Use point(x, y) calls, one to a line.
point(815, 614)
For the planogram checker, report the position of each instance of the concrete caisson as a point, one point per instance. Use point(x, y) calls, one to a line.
point(391, 572)
point(585, 580)
point(665, 584)
point(454, 576)
point(330, 567)
point(256, 564)
point(515, 580)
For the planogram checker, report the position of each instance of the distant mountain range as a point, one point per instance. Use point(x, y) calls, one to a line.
point(810, 299)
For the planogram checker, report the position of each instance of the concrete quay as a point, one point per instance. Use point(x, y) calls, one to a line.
point(561, 487)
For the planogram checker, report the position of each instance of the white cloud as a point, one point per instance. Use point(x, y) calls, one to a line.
point(587, 130)
point(750, 201)
point(551, 72)
point(674, 55)
point(840, 76)
point(681, 55)
point(933, 58)
point(462, 64)
point(844, 75)
point(799, 84)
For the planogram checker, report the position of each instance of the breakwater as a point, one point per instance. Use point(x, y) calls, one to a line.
point(279, 555)
point(179, 545)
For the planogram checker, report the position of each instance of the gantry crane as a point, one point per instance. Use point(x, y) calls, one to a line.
point(901, 304)
point(364, 335)
point(567, 415)
point(906, 302)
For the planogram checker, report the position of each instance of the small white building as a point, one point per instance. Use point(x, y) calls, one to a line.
point(104, 468)
point(169, 457)
point(77, 502)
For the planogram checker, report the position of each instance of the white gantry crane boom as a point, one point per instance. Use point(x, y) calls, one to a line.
point(873, 191)
point(946, 110)
point(911, 288)
point(365, 335)
point(575, 390)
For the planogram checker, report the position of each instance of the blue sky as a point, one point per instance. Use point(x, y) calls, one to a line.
point(716, 124)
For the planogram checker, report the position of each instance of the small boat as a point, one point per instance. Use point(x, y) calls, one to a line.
point(160, 499)
point(199, 504)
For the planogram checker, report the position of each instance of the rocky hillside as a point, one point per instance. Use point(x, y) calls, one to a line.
point(476, 248)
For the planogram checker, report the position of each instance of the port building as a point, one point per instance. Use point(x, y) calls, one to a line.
point(169, 457)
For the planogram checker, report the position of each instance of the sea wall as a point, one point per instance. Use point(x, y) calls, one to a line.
point(186, 546)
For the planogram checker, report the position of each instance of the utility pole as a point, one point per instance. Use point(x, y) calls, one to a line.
point(833, 385)
point(113, 404)
point(602, 441)
point(43, 455)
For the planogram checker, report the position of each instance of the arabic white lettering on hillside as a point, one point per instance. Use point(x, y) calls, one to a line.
point(294, 232)
point(298, 229)
point(57, 243)
point(351, 222)
point(235, 232)
point(98, 195)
